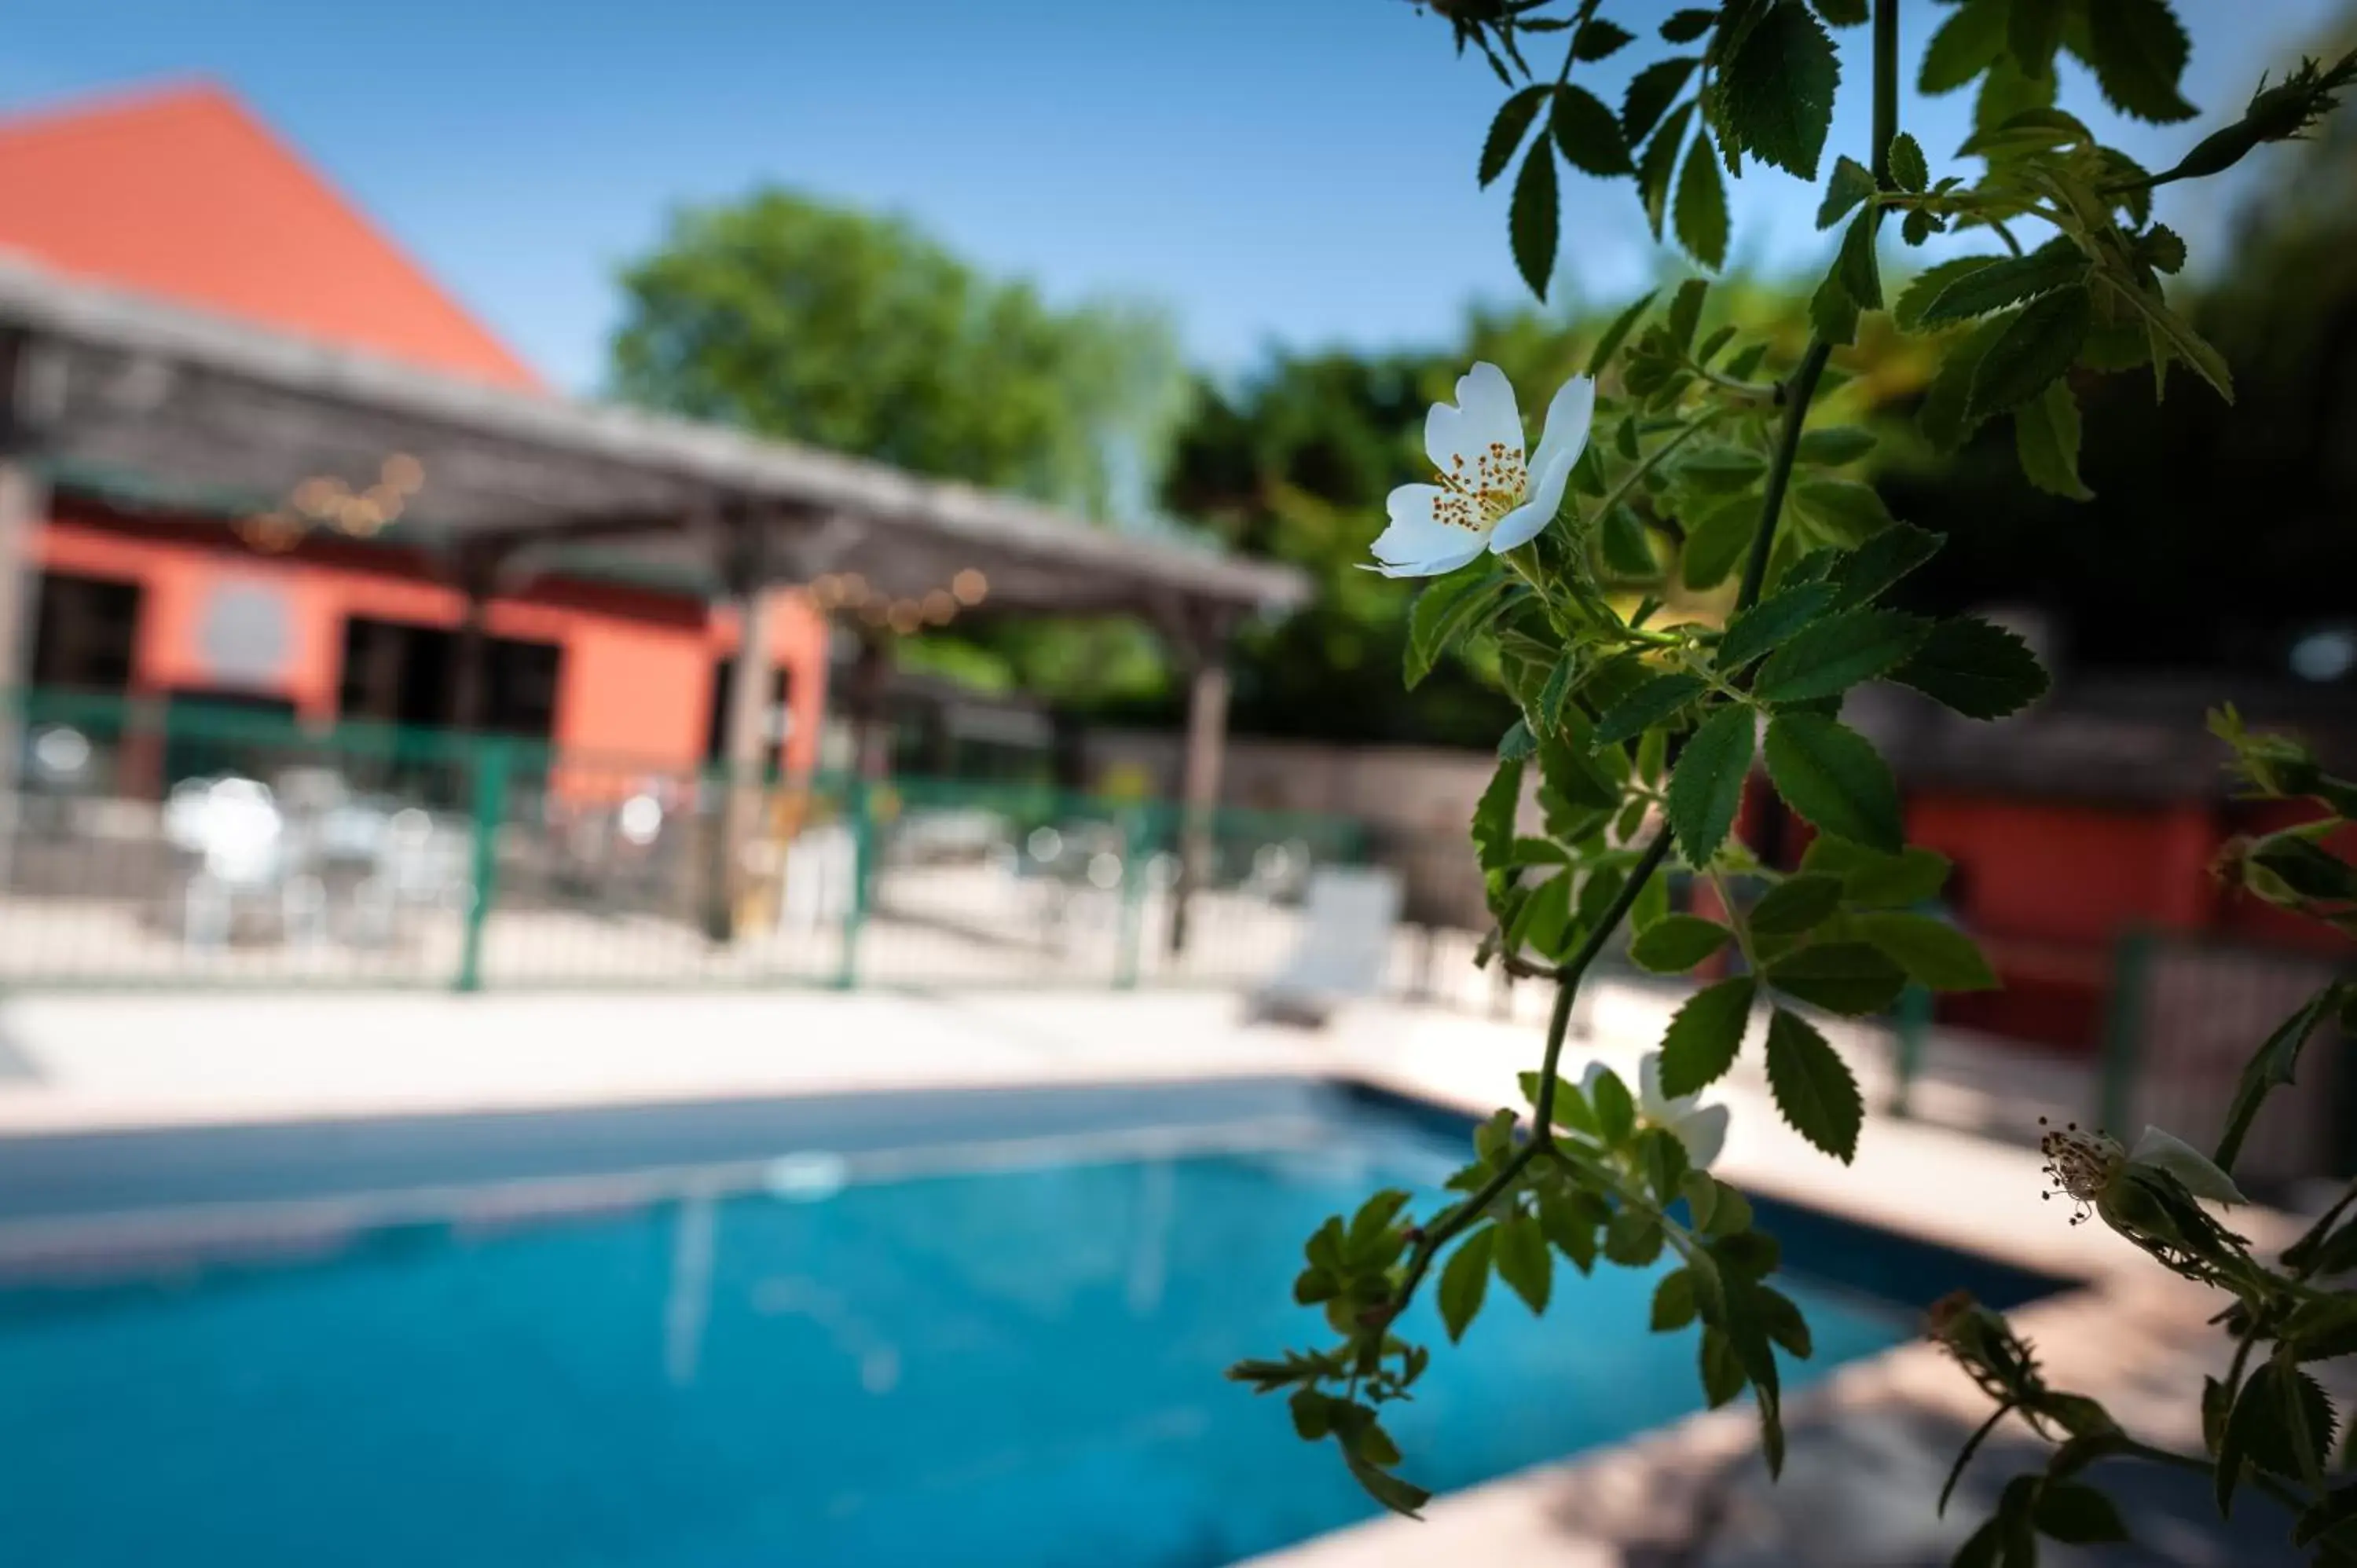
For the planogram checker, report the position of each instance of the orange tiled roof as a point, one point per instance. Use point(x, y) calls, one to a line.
point(184, 194)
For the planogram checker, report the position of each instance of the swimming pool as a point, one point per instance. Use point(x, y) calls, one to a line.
point(980, 1330)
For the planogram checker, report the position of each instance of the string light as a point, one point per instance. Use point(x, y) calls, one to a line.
point(969, 586)
point(326, 501)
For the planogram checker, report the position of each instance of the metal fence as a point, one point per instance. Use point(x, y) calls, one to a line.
point(150, 842)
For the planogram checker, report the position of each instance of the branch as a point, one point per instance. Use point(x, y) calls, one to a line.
point(1575, 967)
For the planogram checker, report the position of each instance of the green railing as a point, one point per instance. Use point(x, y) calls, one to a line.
point(151, 842)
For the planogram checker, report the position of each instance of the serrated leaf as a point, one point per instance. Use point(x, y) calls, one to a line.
point(1493, 816)
point(1685, 312)
point(1625, 548)
point(2000, 281)
point(1659, 163)
point(1701, 210)
point(1871, 879)
point(1716, 541)
point(1812, 1085)
point(1845, 510)
point(1517, 744)
point(1447, 612)
point(1860, 271)
point(1832, 315)
point(1796, 904)
point(1651, 92)
point(1907, 165)
point(2272, 1066)
point(1588, 133)
point(1717, 468)
point(1722, 1373)
point(2033, 352)
point(2046, 440)
point(2138, 51)
point(1831, 775)
point(1524, 1262)
point(1507, 128)
point(1850, 978)
point(2076, 1512)
point(1684, 27)
point(1618, 333)
point(1706, 783)
point(1850, 183)
point(1674, 1302)
point(1770, 623)
point(1947, 416)
point(1614, 1108)
point(1842, 13)
point(1927, 285)
point(2033, 32)
point(1967, 44)
point(1776, 94)
point(1975, 667)
point(1465, 1281)
point(1675, 944)
point(1830, 657)
point(1650, 705)
point(1835, 445)
point(1933, 952)
point(1531, 220)
point(1403, 1497)
point(1600, 40)
point(1705, 1034)
point(1882, 560)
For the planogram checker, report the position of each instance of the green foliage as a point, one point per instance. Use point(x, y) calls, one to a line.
point(1704, 1037)
point(1832, 777)
point(1813, 1089)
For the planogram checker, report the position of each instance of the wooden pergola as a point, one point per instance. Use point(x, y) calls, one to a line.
point(105, 388)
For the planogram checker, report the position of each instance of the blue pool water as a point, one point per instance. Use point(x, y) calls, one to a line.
point(1002, 1367)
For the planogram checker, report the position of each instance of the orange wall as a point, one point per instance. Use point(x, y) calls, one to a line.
point(2067, 873)
point(634, 686)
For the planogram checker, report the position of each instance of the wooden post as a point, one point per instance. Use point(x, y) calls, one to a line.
point(469, 695)
point(871, 734)
point(1206, 729)
point(744, 726)
point(24, 503)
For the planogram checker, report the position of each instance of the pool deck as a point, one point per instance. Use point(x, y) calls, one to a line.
point(2137, 1339)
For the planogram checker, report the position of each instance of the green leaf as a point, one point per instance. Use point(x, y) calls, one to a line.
point(1933, 952)
point(1850, 978)
point(2278, 1408)
point(1577, 777)
point(1673, 1301)
point(1848, 512)
point(2046, 439)
point(1464, 1281)
point(1715, 540)
point(2139, 52)
point(2035, 349)
point(1650, 91)
point(1967, 44)
point(2033, 32)
point(1684, 27)
point(1783, 1321)
point(1842, 13)
point(1493, 817)
point(1447, 612)
point(1600, 40)
point(1722, 1373)
point(1517, 744)
point(1812, 1085)
point(1796, 904)
point(1860, 271)
point(1651, 703)
point(2273, 1063)
point(1830, 657)
point(1701, 211)
point(2075, 1512)
point(1626, 548)
point(1767, 625)
point(1975, 667)
point(1871, 879)
point(1829, 774)
point(1372, 1222)
point(1618, 333)
point(1777, 91)
point(1927, 285)
point(1882, 560)
point(1850, 183)
point(1717, 467)
point(1705, 1035)
point(1633, 1238)
point(2337, 1509)
point(1588, 133)
point(1706, 783)
point(1660, 162)
point(1835, 445)
point(1832, 315)
point(1907, 165)
point(1531, 222)
point(1947, 416)
point(1403, 1497)
point(1616, 1112)
point(1685, 312)
point(2178, 336)
point(1511, 122)
point(1675, 944)
point(1992, 283)
point(1524, 1262)
point(1570, 1222)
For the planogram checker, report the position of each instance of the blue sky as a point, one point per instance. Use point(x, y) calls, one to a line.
point(1295, 171)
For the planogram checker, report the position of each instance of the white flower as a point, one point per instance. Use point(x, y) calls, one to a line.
point(1487, 496)
point(1701, 1128)
point(2084, 1166)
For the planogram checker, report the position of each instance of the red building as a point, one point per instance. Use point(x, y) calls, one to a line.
point(183, 196)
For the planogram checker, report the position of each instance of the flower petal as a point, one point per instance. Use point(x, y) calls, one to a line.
point(1418, 541)
point(1530, 520)
point(1568, 419)
point(1485, 412)
point(1428, 565)
point(1704, 1133)
point(2189, 1164)
point(1650, 1102)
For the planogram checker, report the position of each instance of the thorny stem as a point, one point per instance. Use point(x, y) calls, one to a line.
point(1628, 481)
point(2274, 1488)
